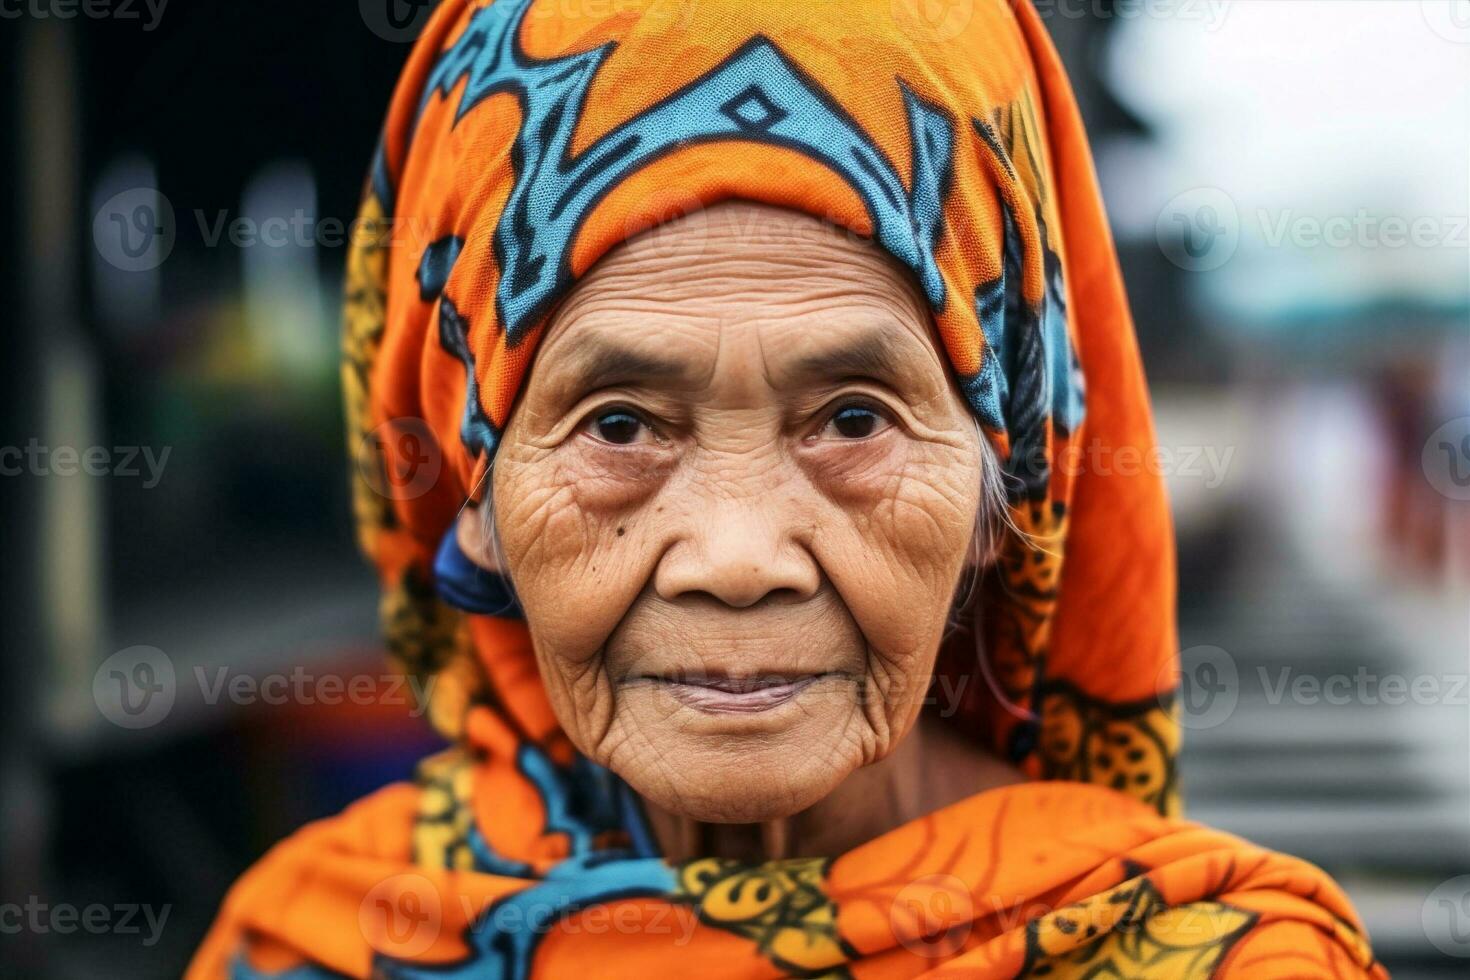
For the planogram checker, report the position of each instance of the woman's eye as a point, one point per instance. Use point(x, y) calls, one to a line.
point(621, 428)
point(857, 422)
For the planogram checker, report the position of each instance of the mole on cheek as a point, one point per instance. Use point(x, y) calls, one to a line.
point(620, 532)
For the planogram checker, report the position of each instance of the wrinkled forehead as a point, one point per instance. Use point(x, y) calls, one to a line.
point(739, 287)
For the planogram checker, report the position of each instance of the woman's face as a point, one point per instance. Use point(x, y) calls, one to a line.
point(735, 499)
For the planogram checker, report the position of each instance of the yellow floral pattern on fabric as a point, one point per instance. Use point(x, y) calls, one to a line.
point(1130, 932)
point(779, 906)
point(363, 307)
point(430, 640)
point(1027, 572)
point(441, 829)
point(1127, 747)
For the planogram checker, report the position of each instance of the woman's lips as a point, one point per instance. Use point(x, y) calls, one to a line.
point(736, 694)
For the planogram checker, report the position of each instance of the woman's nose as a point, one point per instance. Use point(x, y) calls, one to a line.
point(739, 552)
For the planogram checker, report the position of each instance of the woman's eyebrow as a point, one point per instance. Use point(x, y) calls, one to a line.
point(599, 363)
point(876, 353)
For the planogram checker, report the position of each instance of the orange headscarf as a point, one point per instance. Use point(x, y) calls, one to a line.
point(525, 139)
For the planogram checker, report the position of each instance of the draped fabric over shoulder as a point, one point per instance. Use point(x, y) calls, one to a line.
point(525, 139)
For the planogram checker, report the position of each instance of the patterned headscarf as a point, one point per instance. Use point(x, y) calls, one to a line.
point(526, 139)
point(524, 143)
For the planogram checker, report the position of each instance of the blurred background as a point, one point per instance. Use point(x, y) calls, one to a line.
point(1289, 183)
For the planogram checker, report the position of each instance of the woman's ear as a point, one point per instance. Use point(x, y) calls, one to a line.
point(475, 532)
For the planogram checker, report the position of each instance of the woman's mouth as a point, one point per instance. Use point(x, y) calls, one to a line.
point(735, 694)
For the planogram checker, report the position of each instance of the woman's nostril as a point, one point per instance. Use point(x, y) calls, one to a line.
point(747, 592)
point(752, 597)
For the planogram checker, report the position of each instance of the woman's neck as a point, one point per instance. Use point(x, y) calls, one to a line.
point(932, 767)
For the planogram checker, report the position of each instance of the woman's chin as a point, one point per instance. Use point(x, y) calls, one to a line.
point(738, 766)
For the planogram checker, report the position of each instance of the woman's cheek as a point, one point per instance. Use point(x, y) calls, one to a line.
point(573, 496)
point(930, 519)
point(914, 502)
point(538, 519)
point(612, 480)
point(573, 555)
point(897, 562)
point(855, 474)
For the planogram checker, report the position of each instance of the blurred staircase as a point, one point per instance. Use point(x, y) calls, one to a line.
point(1377, 793)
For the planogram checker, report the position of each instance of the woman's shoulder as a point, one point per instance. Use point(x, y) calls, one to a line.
point(1089, 881)
point(266, 901)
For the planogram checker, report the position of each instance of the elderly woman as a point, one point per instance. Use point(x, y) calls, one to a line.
point(717, 373)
